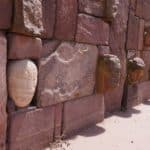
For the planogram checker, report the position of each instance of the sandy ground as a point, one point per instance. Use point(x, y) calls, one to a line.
point(121, 131)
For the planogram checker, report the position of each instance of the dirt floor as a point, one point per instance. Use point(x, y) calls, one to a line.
point(120, 131)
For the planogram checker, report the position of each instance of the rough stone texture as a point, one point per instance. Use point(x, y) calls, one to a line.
point(92, 30)
point(5, 14)
point(112, 9)
point(67, 74)
point(49, 46)
point(49, 8)
point(108, 73)
point(142, 9)
point(31, 129)
point(3, 90)
point(133, 4)
point(66, 19)
point(117, 43)
point(145, 56)
point(22, 81)
point(136, 68)
point(133, 53)
point(141, 35)
point(103, 50)
point(78, 114)
point(143, 88)
point(22, 47)
point(133, 32)
point(28, 17)
point(92, 7)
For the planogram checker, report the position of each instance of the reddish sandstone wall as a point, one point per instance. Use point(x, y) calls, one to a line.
point(65, 39)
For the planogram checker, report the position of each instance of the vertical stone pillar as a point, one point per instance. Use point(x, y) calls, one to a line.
point(3, 90)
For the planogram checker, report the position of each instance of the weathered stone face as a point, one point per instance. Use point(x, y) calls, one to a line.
point(135, 70)
point(92, 7)
point(24, 47)
point(92, 30)
point(111, 9)
point(108, 73)
point(67, 74)
point(22, 81)
point(3, 90)
point(28, 17)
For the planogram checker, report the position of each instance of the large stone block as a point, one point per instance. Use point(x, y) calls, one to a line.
point(66, 19)
point(82, 112)
point(92, 30)
point(133, 32)
point(143, 90)
point(3, 90)
point(67, 74)
point(92, 7)
point(49, 9)
point(28, 17)
point(31, 129)
point(22, 47)
point(49, 46)
point(5, 14)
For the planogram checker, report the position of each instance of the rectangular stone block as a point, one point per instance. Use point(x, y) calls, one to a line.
point(141, 34)
point(144, 90)
point(66, 19)
point(5, 13)
point(67, 74)
point(92, 7)
point(3, 90)
point(28, 17)
point(92, 30)
point(133, 32)
point(31, 129)
point(23, 47)
point(81, 113)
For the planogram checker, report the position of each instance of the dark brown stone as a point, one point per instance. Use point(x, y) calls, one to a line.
point(66, 19)
point(49, 46)
point(5, 14)
point(92, 7)
point(81, 113)
point(31, 129)
point(108, 73)
point(28, 17)
point(21, 47)
point(3, 90)
point(92, 30)
point(67, 74)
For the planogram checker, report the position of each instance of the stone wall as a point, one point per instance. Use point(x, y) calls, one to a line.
point(64, 64)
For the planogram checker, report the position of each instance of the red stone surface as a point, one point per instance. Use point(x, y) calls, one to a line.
point(27, 17)
point(147, 39)
point(3, 90)
point(5, 14)
point(49, 46)
point(66, 19)
point(21, 47)
point(92, 7)
point(92, 30)
point(133, 32)
point(48, 11)
point(67, 74)
point(31, 129)
point(82, 112)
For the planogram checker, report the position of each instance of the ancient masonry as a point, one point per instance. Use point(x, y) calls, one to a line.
point(66, 63)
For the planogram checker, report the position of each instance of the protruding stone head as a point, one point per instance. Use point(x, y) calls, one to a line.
point(22, 81)
point(136, 67)
point(111, 9)
point(108, 73)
